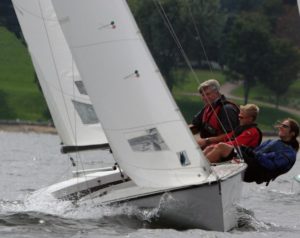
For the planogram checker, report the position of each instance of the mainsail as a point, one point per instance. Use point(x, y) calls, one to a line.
point(145, 129)
point(68, 102)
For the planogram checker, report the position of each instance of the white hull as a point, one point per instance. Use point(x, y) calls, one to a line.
point(210, 205)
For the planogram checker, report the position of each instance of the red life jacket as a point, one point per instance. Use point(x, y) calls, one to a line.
point(210, 119)
point(210, 122)
point(253, 140)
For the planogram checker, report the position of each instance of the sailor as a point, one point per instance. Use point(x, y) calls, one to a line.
point(273, 157)
point(247, 134)
point(218, 117)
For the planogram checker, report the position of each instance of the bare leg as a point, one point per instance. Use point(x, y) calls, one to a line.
point(208, 149)
point(219, 151)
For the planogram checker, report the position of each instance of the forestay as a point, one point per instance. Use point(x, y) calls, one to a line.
point(70, 106)
point(144, 127)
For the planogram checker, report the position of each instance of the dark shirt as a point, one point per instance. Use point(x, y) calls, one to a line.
point(227, 118)
point(229, 111)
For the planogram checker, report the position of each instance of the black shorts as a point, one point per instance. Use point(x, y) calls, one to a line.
point(230, 156)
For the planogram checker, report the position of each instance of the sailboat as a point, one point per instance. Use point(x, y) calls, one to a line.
point(68, 102)
point(159, 163)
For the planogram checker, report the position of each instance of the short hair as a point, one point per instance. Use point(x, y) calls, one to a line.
point(250, 109)
point(211, 83)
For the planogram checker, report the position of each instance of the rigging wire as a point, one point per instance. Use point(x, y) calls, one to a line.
point(168, 24)
point(199, 36)
point(44, 20)
point(207, 59)
point(74, 130)
point(174, 35)
point(78, 154)
point(210, 66)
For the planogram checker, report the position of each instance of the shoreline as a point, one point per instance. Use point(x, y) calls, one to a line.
point(50, 129)
point(27, 128)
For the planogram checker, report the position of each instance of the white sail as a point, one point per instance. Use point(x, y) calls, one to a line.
point(298, 3)
point(70, 106)
point(144, 127)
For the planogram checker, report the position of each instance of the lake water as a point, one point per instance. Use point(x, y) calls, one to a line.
point(30, 162)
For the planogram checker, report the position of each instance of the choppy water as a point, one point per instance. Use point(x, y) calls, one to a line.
point(32, 161)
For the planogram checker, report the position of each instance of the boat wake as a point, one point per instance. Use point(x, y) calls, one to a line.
point(248, 222)
point(41, 207)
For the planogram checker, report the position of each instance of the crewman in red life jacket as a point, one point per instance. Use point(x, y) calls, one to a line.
point(218, 117)
point(247, 134)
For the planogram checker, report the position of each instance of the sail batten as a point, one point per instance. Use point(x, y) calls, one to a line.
point(70, 149)
point(146, 132)
point(71, 109)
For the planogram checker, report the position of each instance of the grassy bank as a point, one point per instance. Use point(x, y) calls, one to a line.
point(19, 95)
point(259, 92)
point(189, 82)
point(189, 105)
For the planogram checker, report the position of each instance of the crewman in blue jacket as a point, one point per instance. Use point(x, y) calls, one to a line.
point(273, 157)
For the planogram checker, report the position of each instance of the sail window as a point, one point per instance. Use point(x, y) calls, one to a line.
point(147, 141)
point(183, 158)
point(86, 112)
point(80, 87)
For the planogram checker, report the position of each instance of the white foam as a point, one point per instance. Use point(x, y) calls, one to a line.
point(43, 202)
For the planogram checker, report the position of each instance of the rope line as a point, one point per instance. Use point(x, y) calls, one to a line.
point(168, 24)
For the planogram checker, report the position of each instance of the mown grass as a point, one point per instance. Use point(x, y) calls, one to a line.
point(189, 81)
point(259, 92)
point(190, 105)
point(19, 95)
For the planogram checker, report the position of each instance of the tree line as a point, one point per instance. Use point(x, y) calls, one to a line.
point(250, 40)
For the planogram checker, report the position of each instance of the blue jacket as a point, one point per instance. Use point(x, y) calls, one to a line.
point(275, 156)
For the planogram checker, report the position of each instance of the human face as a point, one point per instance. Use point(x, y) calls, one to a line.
point(244, 118)
point(284, 131)
point(208, 95)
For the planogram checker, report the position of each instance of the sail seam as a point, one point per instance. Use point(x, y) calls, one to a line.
point(142, 126)
point(55, 64)
point(104, 43)
point(21, 9)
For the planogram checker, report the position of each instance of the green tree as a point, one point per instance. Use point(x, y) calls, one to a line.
point(273, 10)
point(246, 48)
point(155, 32)
point(204, 22)
point(288, 24)
point(8, 18)
point(235, 7)
point(282, 68)
point(190, 20)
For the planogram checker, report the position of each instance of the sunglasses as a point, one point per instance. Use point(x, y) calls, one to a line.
point(281, 125)
point(243, 117)
point(284, 125)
